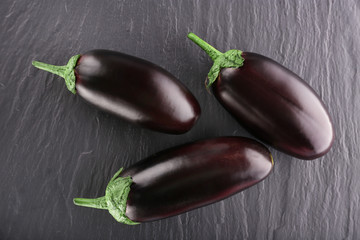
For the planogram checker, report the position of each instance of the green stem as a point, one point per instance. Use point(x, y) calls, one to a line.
point(99, 203)
point(210, 50)
point(115, 199)
point(230, 59)
point(66, 71)
point(58, 70)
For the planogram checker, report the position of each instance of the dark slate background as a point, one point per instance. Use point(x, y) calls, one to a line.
point(54, 146)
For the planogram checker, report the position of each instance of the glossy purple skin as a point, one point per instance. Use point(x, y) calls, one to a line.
point(194, 175)
point(136, 90)
point(276, 106)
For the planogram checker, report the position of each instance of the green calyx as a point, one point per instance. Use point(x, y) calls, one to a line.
point(66, 72)
point(115, 198)
point(230, 59)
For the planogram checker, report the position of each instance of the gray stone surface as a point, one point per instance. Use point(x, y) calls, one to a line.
point(54, 146)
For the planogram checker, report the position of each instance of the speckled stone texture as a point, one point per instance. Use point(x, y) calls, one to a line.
point(54, 146)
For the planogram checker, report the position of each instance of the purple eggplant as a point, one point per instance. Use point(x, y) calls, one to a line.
point(270, 101)
point(183, 178)
point(131, 88)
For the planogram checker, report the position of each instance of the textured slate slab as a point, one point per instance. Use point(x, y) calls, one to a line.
point(55, 147)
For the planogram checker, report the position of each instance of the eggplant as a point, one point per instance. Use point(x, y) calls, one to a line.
point(183, 178)
point(270, 101)
point(131, 88)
